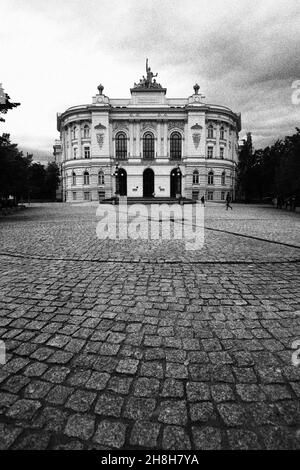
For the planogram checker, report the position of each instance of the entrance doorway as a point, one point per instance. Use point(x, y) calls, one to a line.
point(148, 183)
point(175, 182)
point(121, 182)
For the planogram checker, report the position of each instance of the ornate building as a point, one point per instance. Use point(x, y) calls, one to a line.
point(148, 146)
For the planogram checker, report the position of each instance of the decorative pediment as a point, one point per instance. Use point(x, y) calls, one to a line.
point(197, 127)
point(99, 126)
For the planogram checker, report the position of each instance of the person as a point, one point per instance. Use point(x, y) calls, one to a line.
point(228, 201)
point(203, 200)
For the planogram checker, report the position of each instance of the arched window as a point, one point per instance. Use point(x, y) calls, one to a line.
point(222, 133)
point(196, 177)
point(86, 132)
point(74, 132)
point(100, 177)
point(86, 177)
point(73, 178)
point(148, 146)
point(121, 146)
point(210, 180)
point(175, 146)
point(210, 131)
point(223, 178)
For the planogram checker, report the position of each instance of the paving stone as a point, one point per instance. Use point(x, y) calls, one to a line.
point(81, 400)
point(207, 438)
point(197, 391)
point(120, 384)
point(97, 381)
point(152, 369)
point(146, 387)
point(8, 435)
point(80, 426)
point(37, 389)
point(109, 405)
point(172, 388)
point(176, 371)
point(33, 441)
point(173, 412)
point(232, 414)
point(202, 412)
point(35, 370)
point(58, 395)
point(222, 393)
point(15, 383)
point(127, 366)
point(250, 392)
point(56, 374)
point(23, 409)
point(139, 408)
point(51, 419)
point(144, 434)
point(243, 440)
point(175, 438)
point(111, 434)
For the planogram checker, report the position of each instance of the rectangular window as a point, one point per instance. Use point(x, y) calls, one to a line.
point(222, 196)
point(87, 152)
point(74, 196)
point(86, 196)
point(210, 152)
point(75, 153)
point(222, 153)
point(101, 195)
point(210, 196)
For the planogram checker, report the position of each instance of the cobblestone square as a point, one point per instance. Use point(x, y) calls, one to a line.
point(143, 345)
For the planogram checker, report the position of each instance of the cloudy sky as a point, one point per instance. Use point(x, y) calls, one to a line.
point(244, 54)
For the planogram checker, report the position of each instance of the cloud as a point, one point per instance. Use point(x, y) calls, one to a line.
point(244, 54)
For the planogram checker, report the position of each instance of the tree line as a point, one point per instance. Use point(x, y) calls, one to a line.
point(21, 178)
point(272, 172)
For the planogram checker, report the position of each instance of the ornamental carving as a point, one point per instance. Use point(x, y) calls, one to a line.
point(120, 125)
point(148, 124)
point(100, 139)
point(99, 126)
point(196, 139)
point(197, 127)
point(175, 124)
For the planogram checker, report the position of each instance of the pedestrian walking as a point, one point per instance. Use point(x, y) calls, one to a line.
point(203, 200)
point(228, 201)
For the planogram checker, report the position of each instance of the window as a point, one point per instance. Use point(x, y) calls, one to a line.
point(74, 196)
point(148, 146)
point(210, 131)
point(74, 178)
point(75, 153)
point(74, 132)
point(210, 179)
point(87, 152)
point(222, 196)
point(121, 146)
point(210, 152)
point(86, 196)
point(196, 177)
point(222, 153)
point(86, 132)
point(210, 196)
point(100, 177)
point(175, 146)
point(222, 133)
point(86, 177)
point(223, 178)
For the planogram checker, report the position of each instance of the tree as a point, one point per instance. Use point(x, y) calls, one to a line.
point(52, 180)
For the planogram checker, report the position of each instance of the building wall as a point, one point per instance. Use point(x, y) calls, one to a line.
point(147, 112)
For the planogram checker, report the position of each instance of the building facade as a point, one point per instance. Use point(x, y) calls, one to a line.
point(148, 146)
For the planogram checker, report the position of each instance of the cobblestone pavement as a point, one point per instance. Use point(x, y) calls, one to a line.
point(145, 345)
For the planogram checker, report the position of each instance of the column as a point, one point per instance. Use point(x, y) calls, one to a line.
point(80, 155)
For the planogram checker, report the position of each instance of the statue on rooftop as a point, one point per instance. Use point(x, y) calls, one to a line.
point(148, 81)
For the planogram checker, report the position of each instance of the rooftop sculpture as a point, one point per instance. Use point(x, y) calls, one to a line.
point(148, 81)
